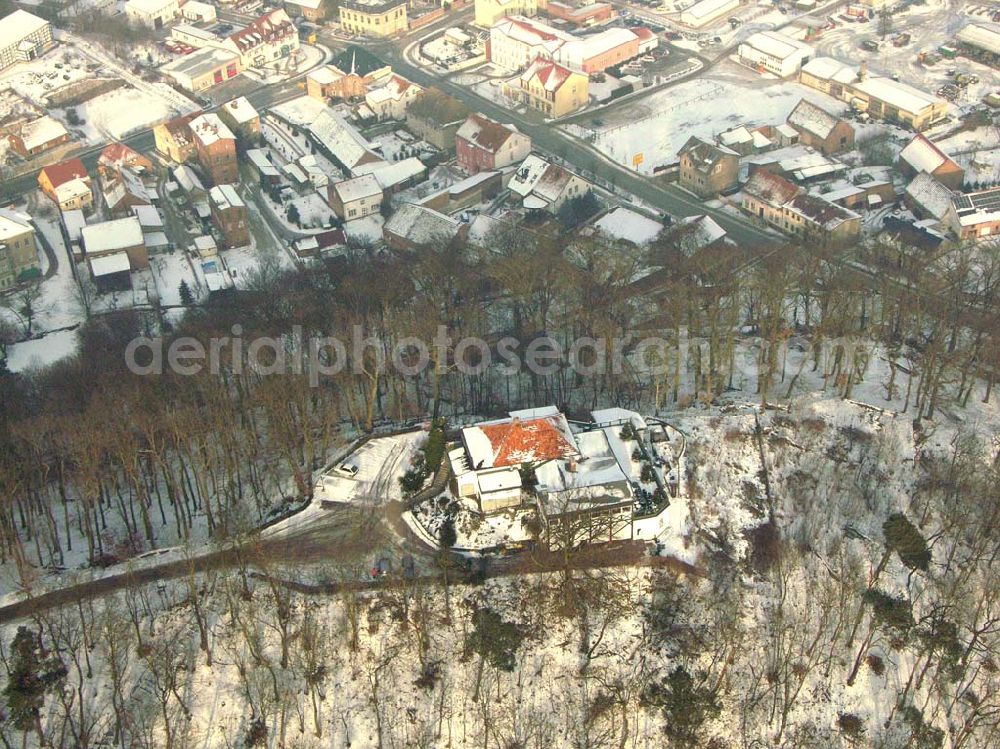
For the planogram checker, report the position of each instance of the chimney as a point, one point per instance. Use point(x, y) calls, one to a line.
point(863, 70)
point(515, 421)
point(571, 465)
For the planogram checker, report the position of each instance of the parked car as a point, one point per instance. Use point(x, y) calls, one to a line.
point(347, 469)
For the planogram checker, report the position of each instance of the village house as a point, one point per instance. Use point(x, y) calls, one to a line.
point(68, 184)
point(23, 37)
point(550, 88)
point(927, 198)
point(921, 155)
point(265, 40)
point(390, 100)
point(173, 139)
point(473, 190)
point(38, 136)
point(241, 117)
point(975, 215)
point(215, 145)
point(115, 242)
point(395, 176)
point(356, 197)
point(311, 10)
point(484, 144)
point(789, 209)
point(229, 214)
point(435, 117)
point(381, 18)
point(707, 169)
point(413, 226)
point(542, 186)
point(821, 130)
point(18, 251)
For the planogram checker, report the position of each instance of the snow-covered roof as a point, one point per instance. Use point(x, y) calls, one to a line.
point(625, 224)
point(977, 207)
point(930, 195)
point(225, 196)
point(421, 225)
point(394, 89)
point(270, 27)
point(614, 414)
point(209, 129)
point(148, 7)
point(812, 119)
point(778, 45)
point(516, 440)
point(155, 239)
point(735, 136)
point(240, 110)
point(897, 94)
point(708, 8)
point(109, 236)
point(148, 216)
point(41, 131)
point(923, 156)
point(531, 32)
point(74, 221)
point(260, 161)
point(358, 188)
point(187, 178)
point(74, 188)
point(205, 244)
point(595, 476)
point(550, 74)
point(819, 211)
point(481, 131)
point(13, 224)
point(701, 232)
point(985, 37)
point(584, 48)
point(771, 188)
point(830, 69)
point(538, 182)
point(115, 262)
point(392, 173)
point(17, 25)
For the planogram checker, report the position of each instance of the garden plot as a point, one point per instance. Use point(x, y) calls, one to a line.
point(380, 463)
point(658, 125)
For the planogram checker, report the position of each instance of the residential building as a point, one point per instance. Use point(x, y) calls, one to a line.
point(229, 213)
point(118, 238)
point(265, 40)
point(215, 145)
point(821, 130)
point(614, 45)
point(479, 188)
point(355, 198)
point(266, 169)
point(67, 184)
point(381, 18)
point(174, 140)
point(153, 14)
point(798, 163)
point(622, 224)
point(517, 41)
point(745, 141)
point(412, 226)
point(240, 116)
point(706, 11)
point(810, 218)
point(390, 99)
point(482, 143)
point(975, 215)
point(699, 234)
point(880, 97)
point(120, 156)
point(921, 155)
point(775, 53)
point(23, 37)
point(435, 117)
point(488, 12)
point(394, 176)
point(38, 136)
point(707, 169)
point(927, 198)
point(18, 252)
point(203, 68)
point(545, 187)
point(550, 88)
point(311, 10)
point(332, 135)
point(123, 189)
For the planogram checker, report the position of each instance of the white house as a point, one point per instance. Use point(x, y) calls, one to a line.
point(704, 12)
point(23, 37)
point(154, 14)
point(774, 52)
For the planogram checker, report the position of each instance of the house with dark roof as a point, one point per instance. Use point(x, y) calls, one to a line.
point(809, 218)
point(707, 169)
point(922, 155)
point(821, 130)
point(485, 144)
point(435, 117)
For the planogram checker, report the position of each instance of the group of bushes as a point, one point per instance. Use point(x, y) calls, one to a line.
point(427, 461)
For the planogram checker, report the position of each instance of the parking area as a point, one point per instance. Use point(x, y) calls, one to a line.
point(371, 473)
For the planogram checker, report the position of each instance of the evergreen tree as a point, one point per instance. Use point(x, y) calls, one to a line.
point(903, 537)
point(447, 535)
point(33, 673)
point(493, 639)
point(686, 706)
point(184, 291)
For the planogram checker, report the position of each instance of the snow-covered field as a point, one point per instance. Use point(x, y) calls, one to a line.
point(118, 113)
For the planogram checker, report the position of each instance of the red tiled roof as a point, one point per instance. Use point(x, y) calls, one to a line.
point(526, 441)
point(484, 132)
point(65, 171)
point(269, 27)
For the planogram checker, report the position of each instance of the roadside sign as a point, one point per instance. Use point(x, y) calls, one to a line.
point(638, 159)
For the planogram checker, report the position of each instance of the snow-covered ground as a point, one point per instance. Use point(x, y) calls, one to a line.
point(118, 113)
point(380, 463)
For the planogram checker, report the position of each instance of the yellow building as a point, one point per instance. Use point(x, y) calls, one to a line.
point(550, 88)
point(18, 253)
point(488, 12)
point(384, 18)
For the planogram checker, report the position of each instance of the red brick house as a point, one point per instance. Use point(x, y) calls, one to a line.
point(482, 144)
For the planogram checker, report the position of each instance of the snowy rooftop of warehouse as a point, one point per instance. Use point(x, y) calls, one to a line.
point(900, 95)
point(112, 235)
point(708, 7)
point(778, 45)
point(983, 36)
point(199, 62)
point(622, 223)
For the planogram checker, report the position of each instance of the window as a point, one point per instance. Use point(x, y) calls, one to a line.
point(352, 213)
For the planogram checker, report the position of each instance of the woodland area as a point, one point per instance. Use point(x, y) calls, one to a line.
point(889, 582)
